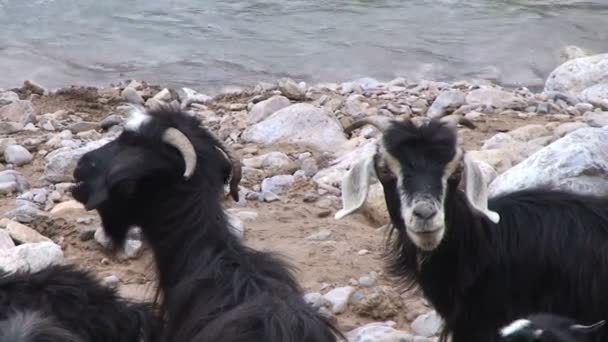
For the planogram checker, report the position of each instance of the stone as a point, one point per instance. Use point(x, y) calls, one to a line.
point(367, 281)
point(445, 102)
point(133, 249)
point(274, 161)
point(20, 112)
point(86, 234)
point(367, 83)
point(6, 242)
point(356, 105)
point(23, 234)
point(309, 166)
point(110, 121)
point(8, 97)
point(596, 119)
point(111, 281)
point(132, 96)
point(496, 98)
point(10, 127)
point(291, 89)
point(25, 213)
point(350, 87)
point(103, 239)
point(339, 298)
point(278, 185)
point(320, 235)
point(60, 165)
point(499, 140)
point(236, 225)
point(163, 95)
point(427, 325)
point(378, 332)
point(39, 255)
point(316, 300)
point(189, 96)
point(17, 155)
point(63, 207)
point(576, 75)
point(8, 187)
point(264, 109)
point(595, 93)
point(12, 176)
point(300, 123)
point(363, 252)
point(572, 52)
point(82, 126)
point(583, 107)
point(529, 132)
point(577, 162)
point(10, 261)
point(501, 159)
point(568, 127)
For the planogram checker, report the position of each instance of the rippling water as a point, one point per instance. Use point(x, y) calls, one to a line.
point(208, 44)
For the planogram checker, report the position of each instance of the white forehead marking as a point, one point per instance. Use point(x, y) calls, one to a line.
point(136, 119)
point(515, 327)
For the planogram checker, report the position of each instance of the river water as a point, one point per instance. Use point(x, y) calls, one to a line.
point(207, 44)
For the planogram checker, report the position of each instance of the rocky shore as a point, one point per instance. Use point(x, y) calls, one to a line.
point(289, 137)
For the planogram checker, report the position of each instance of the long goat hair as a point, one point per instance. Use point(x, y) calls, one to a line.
point(166, 173)
point(481, 263)
point(69, 304)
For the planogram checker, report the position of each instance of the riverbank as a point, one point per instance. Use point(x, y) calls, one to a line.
point(289, 138)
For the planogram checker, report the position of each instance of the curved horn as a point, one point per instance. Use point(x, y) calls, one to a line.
point(236, 176)
point(453, 120)
point(177, 139)
point(588, 328)
point(380, 122)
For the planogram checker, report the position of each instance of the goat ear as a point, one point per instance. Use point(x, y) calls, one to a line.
point(355, 186)
point(587, 328)
point(477, 177)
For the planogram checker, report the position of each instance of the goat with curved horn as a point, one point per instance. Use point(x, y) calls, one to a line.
point(380, 122)
point(177, 139)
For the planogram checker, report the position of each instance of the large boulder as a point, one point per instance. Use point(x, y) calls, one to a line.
point(300, 123)
point(264, 109)
point(578, 74)
point(577, 162)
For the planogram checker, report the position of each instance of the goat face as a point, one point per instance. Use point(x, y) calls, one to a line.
point(423, 158)
point(548, 328)
point(154, 154)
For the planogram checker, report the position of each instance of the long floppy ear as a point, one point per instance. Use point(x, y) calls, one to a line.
point(355, 186)
point(587, 329)
point(477, 177)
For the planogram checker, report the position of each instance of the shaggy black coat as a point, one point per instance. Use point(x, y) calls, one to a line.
point(213, 288)
point(548, 253)
point(61, 300)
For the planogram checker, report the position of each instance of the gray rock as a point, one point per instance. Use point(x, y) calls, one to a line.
point(17, 155)
point(367, 83)
point(20, 112)
point(350, 87)
point(496, 98)
point(82, 126)
point(39, 255)
point(269, 197)
point(309, 166)
point(310, 197)
point(499, 140)
point(8, 97)
point(264, 109)
point(320, 235)
point(378, 332)
point(87, 233)
point(10, 261)
point(367, 281)
point(25, 213)
point(595, 119)
point(60, 165)
point(8, 187)
point(298, 124)
point(274, 161)
point(316, 300)
point(583, 107)
point(132, 96)
point(291, 89)
point(576, 75)
point(6, 242)
point(567, 128)
point(278, 185)
point(111, 281)
point(111, 120)
point(427, 325)
point(24, 234)
point(163, 95)
point(529, 132)
point(103, 239)
point(595, 93)
point(133, 248)
point(189, 96)
point(448, 100)
point(339, 298)
point(576, 162)
point(10, 127)
point(356, 106)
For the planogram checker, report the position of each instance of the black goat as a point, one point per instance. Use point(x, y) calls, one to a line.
point(549, 328)
point(67, 304)
point(165, 173)
point(536, 250)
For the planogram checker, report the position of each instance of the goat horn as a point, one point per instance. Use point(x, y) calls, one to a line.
point(380, 122)
point(237, 173)
point(454, 120)
point(177, 139)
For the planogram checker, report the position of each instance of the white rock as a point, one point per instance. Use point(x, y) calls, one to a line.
point(274, 160)
point(20, 112)
point(316, 300)
point(60, 165)
point(320, 235)
point(163, 95)
point(367, 83)
point(17, 155)
point(447, 100)
point(264, 109)
point(367, 281)
point(496, 98)
point(595, 93)
point(133, 248)
point(576, 162)
point(378, 332)
point(578, 74)
point(6, 242)
point(24, 234)
point(568, 127)
point(499, 140)
point(427, 325)
point(291, 89)
point(363, 252)
point(529, 132)
point(309, 166)
point(356, 105)
point(132, 96)
point(189, 96)
point(236, 225)
point(300, 123)
point(278, 185)
point(110, 281)
point(595, 119)
point(103, 239)
point(339, 298)
point(31, 257)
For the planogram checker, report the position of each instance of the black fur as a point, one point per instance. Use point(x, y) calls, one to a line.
point(548, 253)
point(545, 327)
point(61, 300)
point(213, 287)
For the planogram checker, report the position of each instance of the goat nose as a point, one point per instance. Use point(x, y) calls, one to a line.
point(424, 211)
